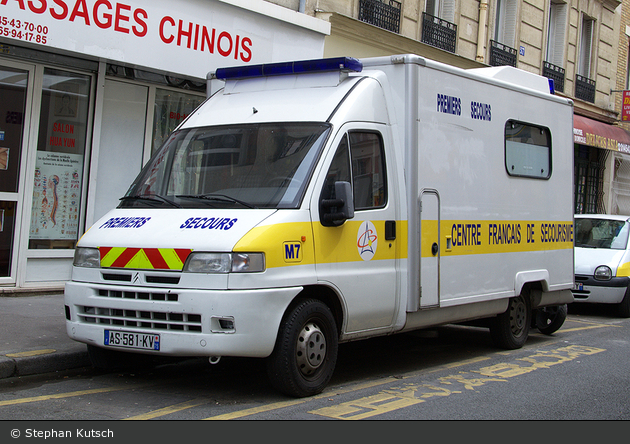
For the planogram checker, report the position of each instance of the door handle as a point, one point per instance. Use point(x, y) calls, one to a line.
point(434, 248)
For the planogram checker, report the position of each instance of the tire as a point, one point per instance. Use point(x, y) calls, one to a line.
point(305, 353)
point(548, 320)
point(112, 360)
point(624, 306)
point(510, 329)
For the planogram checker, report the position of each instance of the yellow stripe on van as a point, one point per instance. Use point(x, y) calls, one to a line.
point(301, 243)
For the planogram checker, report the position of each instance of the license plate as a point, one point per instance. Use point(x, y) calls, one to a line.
point(578, 286)
point(129, 339)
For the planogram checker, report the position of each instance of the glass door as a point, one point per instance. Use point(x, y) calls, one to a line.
point(15, 103)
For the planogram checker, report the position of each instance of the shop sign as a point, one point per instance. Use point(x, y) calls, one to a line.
point(600, 135)
point(625, 107)
point(191, 37)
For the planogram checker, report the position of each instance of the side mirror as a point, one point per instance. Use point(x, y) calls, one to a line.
point(334, 212)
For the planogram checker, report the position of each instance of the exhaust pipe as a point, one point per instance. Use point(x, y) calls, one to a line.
point(214, 359)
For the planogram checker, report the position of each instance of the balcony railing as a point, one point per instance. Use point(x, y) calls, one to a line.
point(555, 73)
point(439, 33)
point(382, 13)
point(501, 55)
point(584, 88)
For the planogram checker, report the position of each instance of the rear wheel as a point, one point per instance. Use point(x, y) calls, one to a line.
point(305, 354)
point(509, 330)
point(548, 320)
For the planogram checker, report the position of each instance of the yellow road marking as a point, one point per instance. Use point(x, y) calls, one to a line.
point(170, 409)
point(30, 353)
point(409, 394)
point(369, 406)
point(68, 395)
point(588, 328)
point(332, 392)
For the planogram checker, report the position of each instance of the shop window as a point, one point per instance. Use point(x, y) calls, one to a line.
point(171, 108)
point(12, 116)
point(589, 175)
point(61, 144)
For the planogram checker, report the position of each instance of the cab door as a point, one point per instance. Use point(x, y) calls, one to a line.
point(358, 257)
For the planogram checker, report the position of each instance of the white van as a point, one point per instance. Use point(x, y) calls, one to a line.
point(315, 202)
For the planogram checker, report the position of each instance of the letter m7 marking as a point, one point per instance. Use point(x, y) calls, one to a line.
point(292, 251)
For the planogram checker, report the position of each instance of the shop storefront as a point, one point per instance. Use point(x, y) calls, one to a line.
point(89, 88)
point(602, 167)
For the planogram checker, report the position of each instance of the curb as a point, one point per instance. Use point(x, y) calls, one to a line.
point(35, 362)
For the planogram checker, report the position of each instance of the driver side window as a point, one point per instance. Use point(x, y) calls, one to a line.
point(359, 160)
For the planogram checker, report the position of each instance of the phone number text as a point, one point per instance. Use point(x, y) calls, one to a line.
point(22, 30)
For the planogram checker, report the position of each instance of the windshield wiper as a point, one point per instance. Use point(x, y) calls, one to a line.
point(219, 197)
point(152, 198)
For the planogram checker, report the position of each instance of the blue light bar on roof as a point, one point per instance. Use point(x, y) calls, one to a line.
point(282, 68)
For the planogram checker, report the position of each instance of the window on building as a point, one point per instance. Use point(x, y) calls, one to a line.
point(527, 150)
point(382, 13)
point(438, 27)
point(444, 9)
point(584, 85)
point(553, 67)
point(556, 33)
point(61, 145)
point(502, 51)
point(505, 28)
point(586, 43)
point(589, 175)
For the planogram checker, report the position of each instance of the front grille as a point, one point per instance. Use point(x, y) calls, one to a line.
point(143, 295)
point(149, 279)
point(152, 320)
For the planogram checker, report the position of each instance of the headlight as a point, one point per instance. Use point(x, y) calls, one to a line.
point(87, 257)
point(225, 263)
point(603, 273)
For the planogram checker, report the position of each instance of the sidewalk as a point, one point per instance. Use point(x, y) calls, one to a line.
point(33, 338)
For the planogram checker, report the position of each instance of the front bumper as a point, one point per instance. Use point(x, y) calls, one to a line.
point(190, 322)
point(588, 289)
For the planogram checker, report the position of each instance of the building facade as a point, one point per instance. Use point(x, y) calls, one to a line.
point(581, 44)
point(88, 90)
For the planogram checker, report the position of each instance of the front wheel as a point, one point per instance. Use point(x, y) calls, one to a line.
point(305, 354)
point(509, 330)
point(548, 320)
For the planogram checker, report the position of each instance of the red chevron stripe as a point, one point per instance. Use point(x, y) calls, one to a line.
point(103, 251)
point(125, 257)
point(182, 253)
point(156, 259)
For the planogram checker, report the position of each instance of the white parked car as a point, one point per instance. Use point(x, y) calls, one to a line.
point(602, 260)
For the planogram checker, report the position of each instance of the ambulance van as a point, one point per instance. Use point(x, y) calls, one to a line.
point(309, 203)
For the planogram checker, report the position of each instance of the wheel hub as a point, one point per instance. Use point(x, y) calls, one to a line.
point(517, 316)
point(311, 348)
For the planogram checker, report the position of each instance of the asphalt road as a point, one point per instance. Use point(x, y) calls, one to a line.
point(450, 373)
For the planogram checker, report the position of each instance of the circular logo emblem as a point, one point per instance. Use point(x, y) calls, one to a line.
point(367, 240)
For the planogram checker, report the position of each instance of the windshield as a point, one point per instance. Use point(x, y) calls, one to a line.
point(240, 166)
point(601, 233)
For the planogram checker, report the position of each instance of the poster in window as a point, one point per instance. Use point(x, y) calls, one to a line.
point(56, 196)
point(4, 158)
